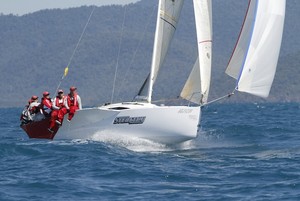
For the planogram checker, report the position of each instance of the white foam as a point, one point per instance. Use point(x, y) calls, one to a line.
point(205, 139)
point(131, 143)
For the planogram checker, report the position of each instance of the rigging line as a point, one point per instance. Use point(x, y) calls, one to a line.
point(118, 57)
point(220, 98)
point(167, 99)
point(138, 47)
point(76, 47)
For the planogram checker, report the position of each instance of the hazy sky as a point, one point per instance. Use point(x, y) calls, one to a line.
point(21, 7)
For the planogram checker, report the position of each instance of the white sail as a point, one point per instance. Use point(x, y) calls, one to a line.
point(197, 86)
point(167, 18)
point(192, 88)
point(255, 57)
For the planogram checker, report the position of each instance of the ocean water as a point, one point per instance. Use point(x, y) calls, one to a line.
point(243, 152)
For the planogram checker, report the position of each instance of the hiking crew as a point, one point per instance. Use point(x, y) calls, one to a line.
point(48, 107)
point(46, 104)
point(34, 109)
point(72, 102)
point(29, 110)
point(55, 109)
point(59, 101)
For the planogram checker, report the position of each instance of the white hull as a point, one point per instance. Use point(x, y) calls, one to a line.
point(163, 124)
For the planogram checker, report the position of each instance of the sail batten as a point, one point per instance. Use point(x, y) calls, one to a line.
point(254, 60)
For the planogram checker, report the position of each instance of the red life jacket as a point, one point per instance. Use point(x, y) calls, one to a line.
point(72, 101)
point(59, 102)
point(46, 105)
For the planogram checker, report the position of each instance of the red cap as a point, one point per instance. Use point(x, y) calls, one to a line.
point(60, 91)
point(73, 88)
point(34, 97)
point(46, 93)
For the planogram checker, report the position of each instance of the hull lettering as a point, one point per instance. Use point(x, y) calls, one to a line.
point(129, 120)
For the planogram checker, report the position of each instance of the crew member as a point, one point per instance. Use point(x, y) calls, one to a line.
point(73, 102)
point(48, 108)
point(24, 115)
point(33, 111)
point(59, 101)
point(46, 104)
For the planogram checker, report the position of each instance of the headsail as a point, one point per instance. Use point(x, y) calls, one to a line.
point(197, 86)
point(254, 60)
point(167, 18)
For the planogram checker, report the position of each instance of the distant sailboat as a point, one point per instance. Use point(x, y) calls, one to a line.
point(253, 64)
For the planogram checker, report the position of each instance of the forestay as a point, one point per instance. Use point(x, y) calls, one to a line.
point(254, 60)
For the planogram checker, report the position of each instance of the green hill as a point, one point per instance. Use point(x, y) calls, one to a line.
point(35, 49)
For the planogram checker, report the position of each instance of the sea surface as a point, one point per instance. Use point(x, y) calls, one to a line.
point(243, 152)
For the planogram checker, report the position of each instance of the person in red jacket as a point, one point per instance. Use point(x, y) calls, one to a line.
point(48, 108)
point(46, 104)
point(59, 101)
point(73, 102)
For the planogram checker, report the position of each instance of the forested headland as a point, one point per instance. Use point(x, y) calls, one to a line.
point(117, 43)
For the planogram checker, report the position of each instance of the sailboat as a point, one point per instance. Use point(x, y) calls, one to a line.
point(253, 64)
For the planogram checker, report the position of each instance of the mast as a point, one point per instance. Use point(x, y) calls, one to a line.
point(167, 19)
point(154, 56)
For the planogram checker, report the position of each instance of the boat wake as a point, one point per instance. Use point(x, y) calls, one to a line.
point(204, 140)
point(131, 143)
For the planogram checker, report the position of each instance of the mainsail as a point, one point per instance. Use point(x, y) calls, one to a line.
point(254, 60)
point(167, 18)
point(197, 86)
